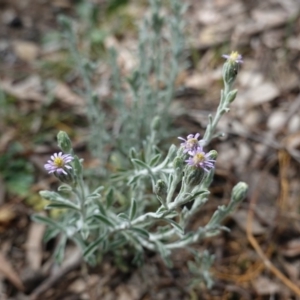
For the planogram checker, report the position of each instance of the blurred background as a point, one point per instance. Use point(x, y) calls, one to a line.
point(40, 95)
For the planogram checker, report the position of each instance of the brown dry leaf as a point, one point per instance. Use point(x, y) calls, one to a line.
point(293, 43)
point(128, 292)
point(61, 3)
point(25, 50)
point(260, 94)
point(6, 214)
point(202, 81)
point(265, 286)
point(28, 89)
point(292, 144)
point(261, 21)
point(292, 248)
point(78, 286)
point(7, 270)
point(67, 96)
point(240, 217)
point(277, 120)
point(292, 269)
point(34, 249)
point(6, 137)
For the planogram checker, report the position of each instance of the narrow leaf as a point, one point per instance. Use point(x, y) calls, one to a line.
point(155, 160)
point(93, 246)
point(62, 206)
point(140, 231)
point(133, 207)
point(110, 198)
point(175, 225)
point(104, 219)
point(47, 221)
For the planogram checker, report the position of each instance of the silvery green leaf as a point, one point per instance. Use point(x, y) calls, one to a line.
point(94, 196)
point(103, 219)
point(64, 188)
point(94, 246)
point(140, 163)
point(77, 165)
point(176, 226)
point(133, 179)
point(118, 243)
point(79, 242)
point(123, 216)
point(138, 258)
point(132, 211)
point(155, 160)
point(97, 190)
point(60, 249)
point(171, 214)
point(85, 232)
point(142, 232)
point(47, 221)
point(110, 198)
point(91, 260)
point(60, 205)
point(101, 208)
point(51, 233)
point(161, 209)
point(132, 153)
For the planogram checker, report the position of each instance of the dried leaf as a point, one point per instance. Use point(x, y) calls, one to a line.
point(7, 270)
point(292, 248)
point(34, 249)
point(265, 286)
point(240, 217)
point(25, 50)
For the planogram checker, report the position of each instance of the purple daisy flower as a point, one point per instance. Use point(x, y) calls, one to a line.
point(191, 142)
point(200, 159)
point(234, 57)
point(59, 163)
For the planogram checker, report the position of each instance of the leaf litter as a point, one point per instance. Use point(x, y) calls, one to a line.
point(262, 130)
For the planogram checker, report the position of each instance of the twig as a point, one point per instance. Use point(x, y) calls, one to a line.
point(72, 263)
point(260, 252)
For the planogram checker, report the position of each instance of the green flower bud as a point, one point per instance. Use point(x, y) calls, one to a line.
point(230, 71)
point(231, 96)
point(213, 154)
point(68, 178)
point(64, 142)
point(239, 192)
point(161, 188)
point(161, 191)
point(194, 176)
point(178, 165)
point(231, 67)
point(155, 124)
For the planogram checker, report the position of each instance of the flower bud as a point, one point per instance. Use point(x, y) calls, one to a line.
point(155, 124)
point(231, 67)
point(64, 142)
point(160, 188)
point(161, 191)
point(194, 176)
point(213, 154)
point(231, 96)
point(239, 192)
point(68, 178)
point(178, 165)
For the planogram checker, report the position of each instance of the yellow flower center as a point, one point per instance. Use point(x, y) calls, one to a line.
point(59, 162)
point(234, 56)
point(192, 142)
point(198, 158)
